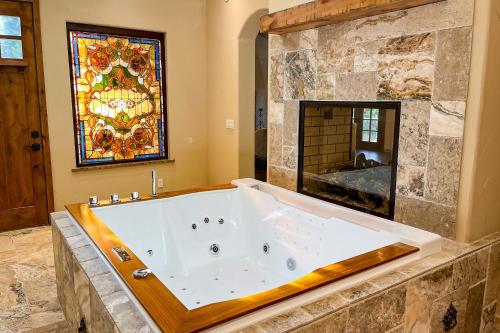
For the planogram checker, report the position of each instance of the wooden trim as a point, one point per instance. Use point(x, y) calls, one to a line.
point(42, 104)
point(324, 12)
point(172, 316)
point(121, 165)
point(13, 62)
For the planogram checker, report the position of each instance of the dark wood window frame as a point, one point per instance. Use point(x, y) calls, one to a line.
point(71, 26)
point(354, 105)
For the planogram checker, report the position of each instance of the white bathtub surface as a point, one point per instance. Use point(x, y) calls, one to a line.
point(181, 256)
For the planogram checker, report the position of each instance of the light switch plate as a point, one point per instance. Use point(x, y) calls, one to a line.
point(230, 123)
point(160, 182)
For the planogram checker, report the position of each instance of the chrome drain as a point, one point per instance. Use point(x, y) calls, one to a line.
point(291, 264)
point(214, 249)
point(266, 248)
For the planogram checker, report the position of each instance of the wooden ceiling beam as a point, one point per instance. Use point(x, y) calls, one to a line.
point(324, 12)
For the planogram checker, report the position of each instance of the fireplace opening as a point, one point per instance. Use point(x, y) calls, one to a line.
point(348, 154)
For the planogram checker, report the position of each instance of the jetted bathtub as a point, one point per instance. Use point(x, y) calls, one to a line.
point(230, 251)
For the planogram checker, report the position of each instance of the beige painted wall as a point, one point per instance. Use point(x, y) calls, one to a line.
point(232, 28)
point(479, 199)
point(277, 5)
point(185, 25)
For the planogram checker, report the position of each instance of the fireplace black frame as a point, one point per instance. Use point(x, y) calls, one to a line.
point(352, 104)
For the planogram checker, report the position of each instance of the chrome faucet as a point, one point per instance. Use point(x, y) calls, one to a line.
point(153, 184)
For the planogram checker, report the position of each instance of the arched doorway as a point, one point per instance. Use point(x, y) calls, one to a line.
point(252, 99)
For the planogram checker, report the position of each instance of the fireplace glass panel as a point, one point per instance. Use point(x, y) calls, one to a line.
point(348, 154)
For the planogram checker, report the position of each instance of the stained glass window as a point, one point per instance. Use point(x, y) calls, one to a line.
point(119, 102)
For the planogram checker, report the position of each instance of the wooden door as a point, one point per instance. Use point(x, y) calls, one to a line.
point(23, 188)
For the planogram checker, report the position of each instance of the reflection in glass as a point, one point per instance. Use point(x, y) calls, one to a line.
point(348, 154)
point(11, 49)
point(10, 25)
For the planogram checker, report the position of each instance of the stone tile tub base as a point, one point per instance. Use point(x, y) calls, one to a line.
point(413, 298)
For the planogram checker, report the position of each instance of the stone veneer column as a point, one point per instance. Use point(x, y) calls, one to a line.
point(420, 57)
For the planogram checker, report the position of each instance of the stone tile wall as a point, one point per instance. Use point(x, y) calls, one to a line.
point(420, 57)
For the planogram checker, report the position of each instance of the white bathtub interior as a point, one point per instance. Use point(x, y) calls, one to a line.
point(173, 238)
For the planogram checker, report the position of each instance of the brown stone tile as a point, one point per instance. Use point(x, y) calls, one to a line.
point(421, 292)
point(66, 291)
point(358, 292)
point(356, 86)
point(447, 118)
point(414, 133)
point(286, 321)
point(459, 13)
point(399, 329)
point(493, 276)
point(486, 241)
point(275, 145)
point(452, 72)
point(335, 51)
point(474, 308)
point(410, 181)
point(388, 280)
point(63, 221)
point(325, 305)
point(276, 112)
point(94, 267)
point(406, 67)
point(276, 70)
point(59, 215)
point(100, 320)
point(283, 178)
point(488, 318)
point(77, 241)
point(470, 269)
point(251, 329)
point(308, 39)
point(290, 41)
point(366, 56)
point(85, 253)
point(439, 308)
point(378, 314)
point(443, 170)
point(291, 123)
point(426, 215)
point(105, 284)
point(69, 231)
point(125, 314)
point(300, 75)
point(82, 294)
point(333, 323)
point(457, 248)
point(290, 157)
point(325, 87)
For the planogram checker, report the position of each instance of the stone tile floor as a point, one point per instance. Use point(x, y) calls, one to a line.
point(28, 296)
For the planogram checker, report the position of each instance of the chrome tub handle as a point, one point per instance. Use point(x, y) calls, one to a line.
point(141, 273)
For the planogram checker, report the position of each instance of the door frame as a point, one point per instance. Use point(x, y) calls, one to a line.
point(44, 126)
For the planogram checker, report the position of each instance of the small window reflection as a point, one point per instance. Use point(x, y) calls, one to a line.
point(11, 49)
point(10, 25)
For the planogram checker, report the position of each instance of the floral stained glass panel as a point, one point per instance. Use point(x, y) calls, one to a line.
point(119, 95)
